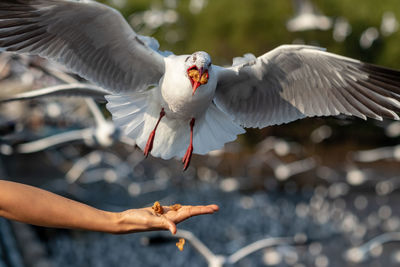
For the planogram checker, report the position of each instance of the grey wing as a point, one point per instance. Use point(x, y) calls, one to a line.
point(78, 89)
point(293, 82)
point(53, 140)
point(89, 38)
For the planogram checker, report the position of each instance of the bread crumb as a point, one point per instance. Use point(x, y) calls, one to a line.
point(158, 209)
point(175, 207)
point(180, 244)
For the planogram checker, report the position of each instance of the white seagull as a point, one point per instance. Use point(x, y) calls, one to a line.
point(179, 105)
point(307, 18)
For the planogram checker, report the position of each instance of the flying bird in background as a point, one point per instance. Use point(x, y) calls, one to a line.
point(176, 105)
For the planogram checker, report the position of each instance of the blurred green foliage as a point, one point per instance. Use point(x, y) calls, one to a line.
point(229, 28)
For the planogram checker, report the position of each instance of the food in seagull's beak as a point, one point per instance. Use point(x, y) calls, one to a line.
point(197, 77)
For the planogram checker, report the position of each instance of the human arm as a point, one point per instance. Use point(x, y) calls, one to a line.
point(35, 206)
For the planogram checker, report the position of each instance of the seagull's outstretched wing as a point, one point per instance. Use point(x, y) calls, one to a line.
point(91, 39)
point(78, 89)
point(293, 81)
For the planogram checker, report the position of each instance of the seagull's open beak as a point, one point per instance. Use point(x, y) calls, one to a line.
point(197, 77)
point(197, 83)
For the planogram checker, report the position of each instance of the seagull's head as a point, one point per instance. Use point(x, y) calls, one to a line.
point(198, 65)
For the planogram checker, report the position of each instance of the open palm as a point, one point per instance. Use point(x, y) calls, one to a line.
point(145, 219)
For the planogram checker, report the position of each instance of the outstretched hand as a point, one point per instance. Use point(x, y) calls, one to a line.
point(36, 206)
point(146, 219)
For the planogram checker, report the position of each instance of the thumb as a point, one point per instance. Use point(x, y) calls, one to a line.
point(171, 226)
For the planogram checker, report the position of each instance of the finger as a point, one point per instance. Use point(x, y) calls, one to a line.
point(214, 207)
point(170, 225)
point(199, 210)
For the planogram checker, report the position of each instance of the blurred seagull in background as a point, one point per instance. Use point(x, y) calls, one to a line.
point(74, 89)
point(218, 260)
point(307, 18)
point(178, 105)
point(104, 133)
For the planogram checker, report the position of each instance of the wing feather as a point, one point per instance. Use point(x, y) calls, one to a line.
point(77, 89)
point(296, 81)
point(90, 38)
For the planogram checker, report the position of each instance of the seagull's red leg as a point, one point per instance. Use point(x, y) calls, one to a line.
point(149, 144)
point(188, 155)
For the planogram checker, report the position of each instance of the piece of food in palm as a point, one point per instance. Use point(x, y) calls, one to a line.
point(158, 209)
point(175, 207)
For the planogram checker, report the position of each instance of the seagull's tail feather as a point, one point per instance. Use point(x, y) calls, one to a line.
point(214, 130)
point(137, 115)
point(210, 132)
point(172, 137)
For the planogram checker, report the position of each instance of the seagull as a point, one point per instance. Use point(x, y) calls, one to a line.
point(360, 253)
point(104, 133)
point(307, 18)
point(177, 105)
point(376, 154)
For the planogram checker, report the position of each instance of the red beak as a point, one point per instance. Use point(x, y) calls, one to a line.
point(197, 84)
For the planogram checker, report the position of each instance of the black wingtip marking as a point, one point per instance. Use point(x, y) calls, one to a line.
point(392, 74)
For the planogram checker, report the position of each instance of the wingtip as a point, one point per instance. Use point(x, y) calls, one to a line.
point(363, 117)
